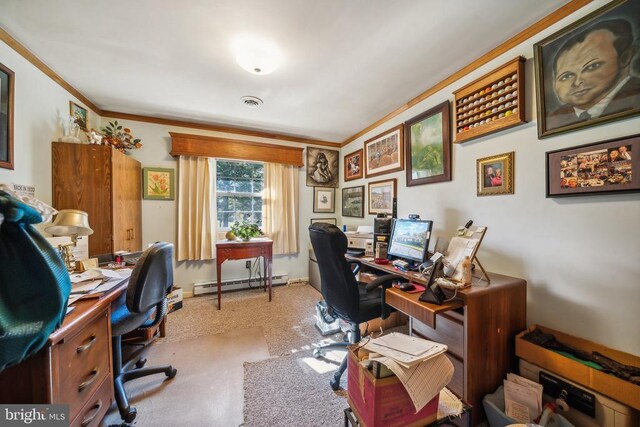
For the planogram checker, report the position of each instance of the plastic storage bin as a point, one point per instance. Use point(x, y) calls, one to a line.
point(494, 408)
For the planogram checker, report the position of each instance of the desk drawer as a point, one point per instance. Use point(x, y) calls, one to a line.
point(447, 331)
point(82, 363)
point(96, 407)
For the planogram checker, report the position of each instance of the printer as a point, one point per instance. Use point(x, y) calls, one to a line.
point(361, 240)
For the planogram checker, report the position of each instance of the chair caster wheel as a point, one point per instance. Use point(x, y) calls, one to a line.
point(172, 373)
point(140, 363)
point(317, 353)
point(130, 415)
point(335, 384)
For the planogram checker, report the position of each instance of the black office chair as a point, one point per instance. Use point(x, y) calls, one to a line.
point(352, 301)
point(146, 296)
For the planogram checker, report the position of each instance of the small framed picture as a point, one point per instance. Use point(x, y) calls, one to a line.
point(384, 153)
point(611, 166)
point(7, 84)
point(353, 165)
point(324, 200)
point(495, 174)
point(158, 184)
point(332, 221)
point(353, 201)
point(81, 115)
point(381, 195)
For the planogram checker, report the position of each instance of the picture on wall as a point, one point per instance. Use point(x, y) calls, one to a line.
point(495, 174)
point(332, 221)
point(384, 153)
point(589, 72)
point(353, 201)
point(324, 200)
point(323, 167)
point(80, 114)
point(611, 166)
point(353, 165)
point(158, 184)
point(381, 195)
point(6, 117)
point(428, 146)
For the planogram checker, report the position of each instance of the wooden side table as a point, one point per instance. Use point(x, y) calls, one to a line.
point(238, 249)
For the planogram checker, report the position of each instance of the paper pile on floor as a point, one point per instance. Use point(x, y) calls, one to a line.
point(419, 364)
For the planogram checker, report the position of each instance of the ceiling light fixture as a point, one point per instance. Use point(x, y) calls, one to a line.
point(257, 55)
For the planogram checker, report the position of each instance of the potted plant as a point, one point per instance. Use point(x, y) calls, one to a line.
point(245, 230)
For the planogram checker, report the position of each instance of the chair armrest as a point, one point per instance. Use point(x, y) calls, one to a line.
point(355, 266)
point(384, 281)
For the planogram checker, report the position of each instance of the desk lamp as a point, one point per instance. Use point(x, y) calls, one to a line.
point(73, 223)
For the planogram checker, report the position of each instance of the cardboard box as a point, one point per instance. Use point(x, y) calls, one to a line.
point(601, 382)
point(174, 299)
point(383, 402)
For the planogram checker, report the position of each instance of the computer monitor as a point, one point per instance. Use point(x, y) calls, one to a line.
point(410, 239)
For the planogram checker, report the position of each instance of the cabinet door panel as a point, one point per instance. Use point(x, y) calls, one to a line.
point(127, 203)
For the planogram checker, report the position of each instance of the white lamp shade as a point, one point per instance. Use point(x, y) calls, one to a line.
point(257, 56)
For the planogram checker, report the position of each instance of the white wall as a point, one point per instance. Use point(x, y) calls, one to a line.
point(40, 105)
point(579, 255)
point(159, 217)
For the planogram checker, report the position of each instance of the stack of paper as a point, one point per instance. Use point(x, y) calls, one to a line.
point(522, 398)
point(95, 282)
point(420, 365)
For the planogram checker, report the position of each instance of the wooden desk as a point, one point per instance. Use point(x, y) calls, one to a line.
point(74, 367)
point(479, 328)
point(238, 249)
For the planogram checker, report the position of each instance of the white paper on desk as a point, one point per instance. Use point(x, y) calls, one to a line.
point(517, 394)
point(422, 380)
point(405, 349)
point(85, 287)
point(73, 298)
point(87, 275)
point(107, 285)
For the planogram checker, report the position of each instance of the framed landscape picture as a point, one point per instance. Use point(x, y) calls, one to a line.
point(589, 72)
point(324, 200)
point(381, 195)
point(80, 114)
point(384, 153)
point(6, 117)
point(495, 174)
point(609, 167)
point(428, 146)
point(323, 167)
point(353, 201)
point(353, 165)
point(158, 184)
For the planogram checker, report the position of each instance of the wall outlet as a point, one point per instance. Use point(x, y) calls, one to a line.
point(247, 264)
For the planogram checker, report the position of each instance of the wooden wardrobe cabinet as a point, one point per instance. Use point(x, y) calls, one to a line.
point(105, 183)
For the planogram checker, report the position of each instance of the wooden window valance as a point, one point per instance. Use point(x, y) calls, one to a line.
point(183, 144)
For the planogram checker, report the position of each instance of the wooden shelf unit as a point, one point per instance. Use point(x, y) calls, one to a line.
point(491, 103)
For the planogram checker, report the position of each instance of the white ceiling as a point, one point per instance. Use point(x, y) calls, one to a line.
point(347, 63)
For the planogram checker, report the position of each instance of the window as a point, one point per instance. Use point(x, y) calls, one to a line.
point(239, 192)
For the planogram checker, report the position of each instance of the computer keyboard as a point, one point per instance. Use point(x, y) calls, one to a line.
point(131, 261)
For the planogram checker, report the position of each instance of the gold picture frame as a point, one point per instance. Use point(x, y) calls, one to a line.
point(158, 184)
point(381, 196)
point(80, 114)
point(495, 174)
point(384, 153)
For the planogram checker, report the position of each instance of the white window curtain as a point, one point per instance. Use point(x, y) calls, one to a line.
point(196, 209)
point(280, 207)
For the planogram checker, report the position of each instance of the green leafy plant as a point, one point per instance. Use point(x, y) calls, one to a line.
point(246, 230)
point(120, 137)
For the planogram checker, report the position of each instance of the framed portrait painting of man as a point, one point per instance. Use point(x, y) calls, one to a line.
point(384, 153)
point(323, 167)
point(495, 174)
point(611, 166)
point(589, 72)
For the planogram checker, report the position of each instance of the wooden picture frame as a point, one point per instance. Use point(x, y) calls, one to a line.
point(324, 200)
point(353, 165)
point(353, 201)
point(158, 183)
point(384, 153)
point(7, 88)
point(428, 146)
point(332, 221)
point(323, 167)
point(381, 196)
point(578, 68)
point(495, 174)
point(81, 115)
point(605, 167)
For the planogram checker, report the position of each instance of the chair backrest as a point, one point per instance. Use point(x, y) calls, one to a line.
point(338, 284)
point(151, 279)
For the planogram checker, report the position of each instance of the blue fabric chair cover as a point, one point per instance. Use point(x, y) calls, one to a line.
point(34, 283)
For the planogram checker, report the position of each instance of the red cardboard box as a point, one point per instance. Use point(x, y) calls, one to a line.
point(383, 402)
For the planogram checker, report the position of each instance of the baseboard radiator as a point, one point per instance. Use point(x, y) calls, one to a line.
point(200, 288)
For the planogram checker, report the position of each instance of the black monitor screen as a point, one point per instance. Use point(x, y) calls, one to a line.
point(410, 239)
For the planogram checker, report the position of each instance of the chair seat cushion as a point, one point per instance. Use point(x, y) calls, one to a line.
point(370, 303)
point(123, 321)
